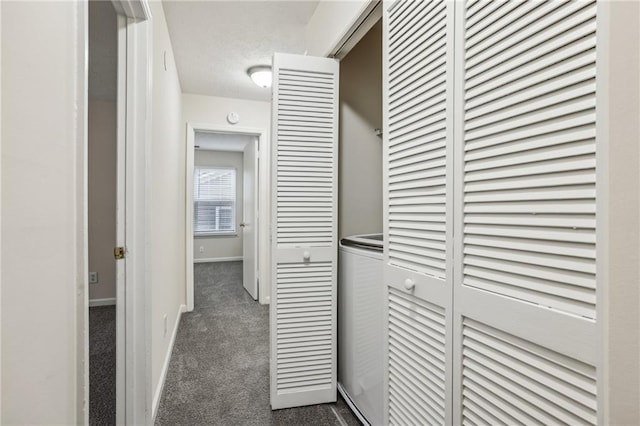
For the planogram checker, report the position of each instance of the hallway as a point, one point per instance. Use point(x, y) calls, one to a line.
point(219, 370)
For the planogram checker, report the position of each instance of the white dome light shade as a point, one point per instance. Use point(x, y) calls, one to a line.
point(261, 75)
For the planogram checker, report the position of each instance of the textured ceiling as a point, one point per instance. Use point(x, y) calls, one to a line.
point(215, 42)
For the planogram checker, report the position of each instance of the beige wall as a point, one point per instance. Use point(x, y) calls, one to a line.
point(221, 246)
point(102, 140)
point(167, 209)
point(43, 271)
point(103, 51)
point(102, 197)
point(360, 169)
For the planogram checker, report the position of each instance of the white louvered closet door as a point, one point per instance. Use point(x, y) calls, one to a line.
point(525, 281)
point(304, 231)
point(418, 147)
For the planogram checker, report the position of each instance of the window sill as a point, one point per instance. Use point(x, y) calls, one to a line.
point(215, 234)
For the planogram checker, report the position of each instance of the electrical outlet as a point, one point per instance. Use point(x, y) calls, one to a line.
point(164, 319)
point(93, 278)
point(201, 249)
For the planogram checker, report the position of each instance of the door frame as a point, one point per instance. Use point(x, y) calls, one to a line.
point(133, 339)
point(136, 401)
point(251, 211)
point(263, 205)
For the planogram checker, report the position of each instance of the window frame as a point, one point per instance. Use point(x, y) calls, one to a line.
point(226, 233)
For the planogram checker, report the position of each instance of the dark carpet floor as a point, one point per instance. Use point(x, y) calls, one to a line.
point(219, 370)
point(102, 366)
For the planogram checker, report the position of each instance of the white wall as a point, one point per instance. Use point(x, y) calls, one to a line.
point(330, 23)
point(360, 166)
point(223, 245)
point(43, 271)
point(102, 197)
point(167, 209)
point(213, 110)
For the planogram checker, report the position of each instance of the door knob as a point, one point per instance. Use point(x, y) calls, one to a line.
point(409, 284)
point(306, 256)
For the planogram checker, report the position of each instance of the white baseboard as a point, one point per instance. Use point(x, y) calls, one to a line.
point(109, 301)
point(165, 366)
point(217, 259)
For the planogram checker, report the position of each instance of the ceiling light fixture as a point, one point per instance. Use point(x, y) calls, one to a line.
point(261, 75)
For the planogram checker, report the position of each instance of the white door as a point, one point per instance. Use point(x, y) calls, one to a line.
point(121, 167)
point(418, 188)
point(525, 249)
point(490, 213)
point(304, 231)
point(249, 225)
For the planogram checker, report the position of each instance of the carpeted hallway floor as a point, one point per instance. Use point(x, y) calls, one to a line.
point(219, 370)
point(102, 366)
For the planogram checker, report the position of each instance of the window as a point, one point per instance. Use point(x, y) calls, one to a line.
point(214, 199)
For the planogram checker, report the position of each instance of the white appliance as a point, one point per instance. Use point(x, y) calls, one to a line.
point(360, 326)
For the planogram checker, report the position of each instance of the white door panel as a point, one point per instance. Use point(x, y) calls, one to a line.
point(525, 272)
point(418, 182)
point(304, 231)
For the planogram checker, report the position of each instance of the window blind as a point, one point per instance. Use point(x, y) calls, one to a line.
point(214, 198)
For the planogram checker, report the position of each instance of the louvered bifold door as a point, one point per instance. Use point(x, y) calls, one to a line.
point(304, 230)
point(418, 144)
point(525, 281)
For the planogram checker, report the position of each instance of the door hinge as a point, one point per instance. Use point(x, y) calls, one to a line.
point(118, 253)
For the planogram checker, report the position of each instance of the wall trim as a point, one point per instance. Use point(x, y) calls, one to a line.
point(107, 301)
point(217, 259)
point(165, 366)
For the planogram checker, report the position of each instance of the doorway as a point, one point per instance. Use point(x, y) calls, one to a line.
point(224, 211)
point(120, 49)
point(102, 144)
point(224, 214)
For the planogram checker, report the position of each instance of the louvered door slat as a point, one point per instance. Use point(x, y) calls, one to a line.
point(525, 274)
point(426, 118)
point(411, 32)
point(540, 35)
point(506, 25)
point(567, 163)
point(296, 154)
point(400, 17)
point(489, 15)
point(562, 388)
point(313, 284)
point(304, 166)
point(416, 353)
